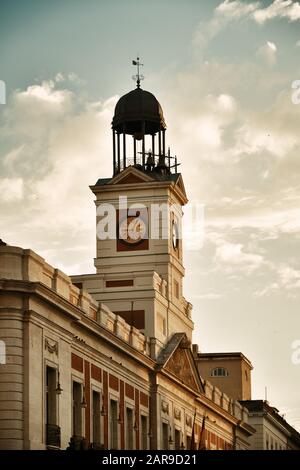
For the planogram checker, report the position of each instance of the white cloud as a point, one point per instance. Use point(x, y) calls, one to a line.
point(278, 9)
point(289, 277)
point(268, 52)
point(45, 92)
point(235, 9)
point(225, 13)
point(287, 282)
point(234, 257)
point(11, 189)
point(232, 11)
point(56, 146)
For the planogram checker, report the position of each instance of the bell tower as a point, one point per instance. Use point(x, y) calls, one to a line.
point(139, 265)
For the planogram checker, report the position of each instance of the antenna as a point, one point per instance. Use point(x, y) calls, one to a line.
point(138, 77)
point(266, 393)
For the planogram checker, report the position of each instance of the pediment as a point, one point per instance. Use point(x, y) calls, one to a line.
point(177, 359)
point(179, 183)
point(131, 175)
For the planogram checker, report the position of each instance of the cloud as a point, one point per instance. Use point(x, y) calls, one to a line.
point(278, 9)
point(235, 9)
point(11, 189)
point(289, 277)
point(234, 257)
point(45, 92)
point(268, 52)
point(53, 146)
point(225, 13)
point(287, 282)
point(229, 12)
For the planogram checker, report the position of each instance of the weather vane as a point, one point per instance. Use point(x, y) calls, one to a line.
point(138, 77)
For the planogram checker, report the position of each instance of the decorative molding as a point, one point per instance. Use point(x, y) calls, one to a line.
point(188, 421)
point(165, 407)
point(177, 413)
point(51, 346)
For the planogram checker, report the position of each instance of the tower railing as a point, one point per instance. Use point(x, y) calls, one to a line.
point(150, 162)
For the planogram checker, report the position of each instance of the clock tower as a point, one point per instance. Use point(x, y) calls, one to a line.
point(139, 265)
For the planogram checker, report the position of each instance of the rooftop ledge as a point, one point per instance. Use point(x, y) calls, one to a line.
point(25, 265)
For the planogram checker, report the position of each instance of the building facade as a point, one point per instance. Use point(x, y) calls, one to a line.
point(104, 360)
point(76, 374)
point(231, 372)
point(272, 430)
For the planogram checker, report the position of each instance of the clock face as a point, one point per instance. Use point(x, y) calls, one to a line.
point(175, 234)
point(132, 230)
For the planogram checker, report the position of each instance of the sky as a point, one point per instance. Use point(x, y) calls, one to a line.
point(223, 73)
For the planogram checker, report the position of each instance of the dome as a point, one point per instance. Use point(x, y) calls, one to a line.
point(136, 107)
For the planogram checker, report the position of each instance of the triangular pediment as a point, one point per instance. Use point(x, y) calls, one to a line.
point(179, 183)
point(131, 175)
point(177, 359)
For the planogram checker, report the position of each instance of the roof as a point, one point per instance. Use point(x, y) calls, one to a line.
point(135, 107)
point(176, 358)
point(264, 406)
point(224, 355)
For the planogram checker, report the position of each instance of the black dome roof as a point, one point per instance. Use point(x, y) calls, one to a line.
point(136, 107)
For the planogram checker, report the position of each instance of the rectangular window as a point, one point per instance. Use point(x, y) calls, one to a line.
point(77, 410)
point(134, 318)
point(51, 397)
point(96, 419)
point(129, 429)
point(177, 439)
point(144, 432)
point(113, 425)
point(52, 428)
point(188, 442)
point(165, 436)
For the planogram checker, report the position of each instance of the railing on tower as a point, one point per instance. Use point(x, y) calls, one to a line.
point(149, 162)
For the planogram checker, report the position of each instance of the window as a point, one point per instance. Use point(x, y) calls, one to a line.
point(51, 397)
point(129, 429)
point(144, 433)
point(219, 372)
point(165, 436)
point(113, 424)
point(96, 419)
point(177, 439)
point(77, 410)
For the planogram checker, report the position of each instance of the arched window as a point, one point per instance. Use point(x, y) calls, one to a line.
point(219, 372)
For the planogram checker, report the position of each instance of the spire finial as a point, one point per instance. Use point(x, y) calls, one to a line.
point(138, 77)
